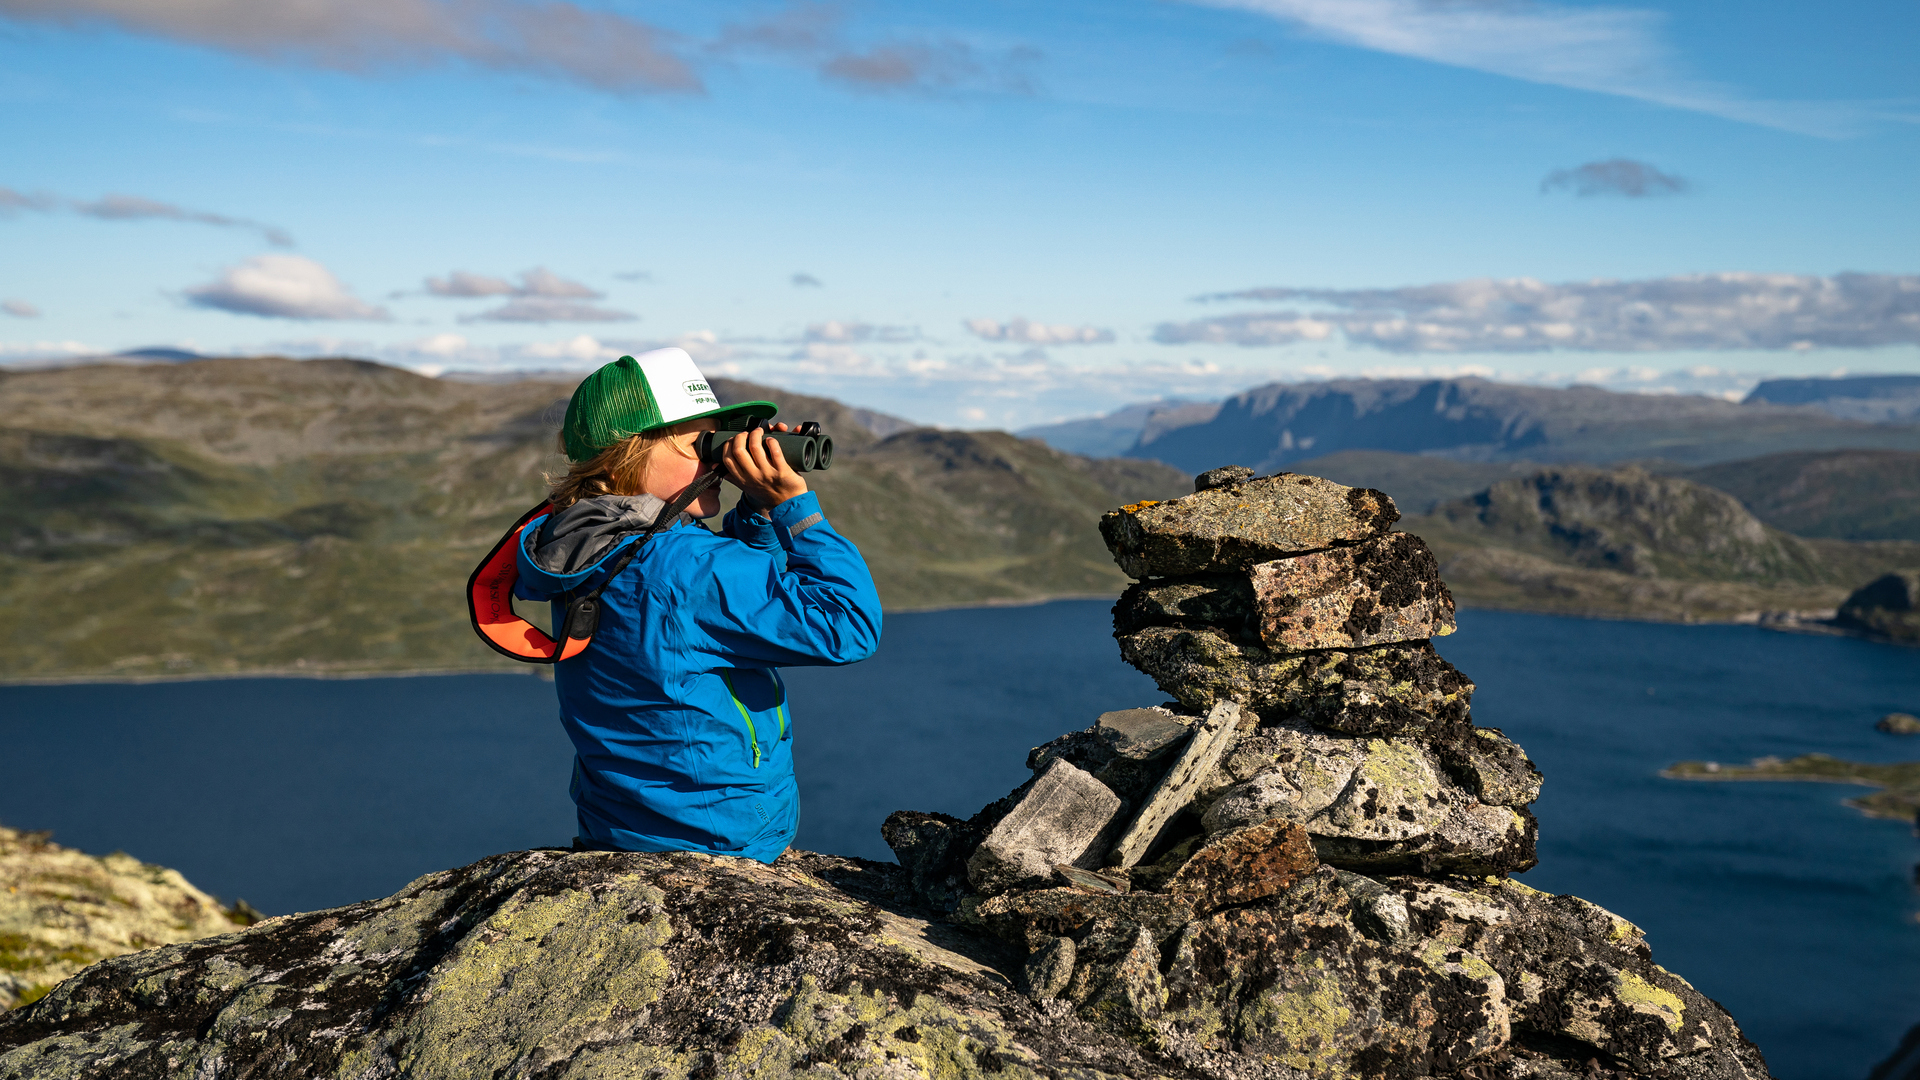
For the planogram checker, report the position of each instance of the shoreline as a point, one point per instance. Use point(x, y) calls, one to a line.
point(1788, 622)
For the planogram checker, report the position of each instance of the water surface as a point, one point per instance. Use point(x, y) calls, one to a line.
point(1775, 899)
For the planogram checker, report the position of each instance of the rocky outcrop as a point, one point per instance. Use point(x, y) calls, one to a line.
point(1887, 607)
point(1299, 868)
point(62, 909)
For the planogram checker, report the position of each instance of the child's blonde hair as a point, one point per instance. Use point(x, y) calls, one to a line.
point(620, 469)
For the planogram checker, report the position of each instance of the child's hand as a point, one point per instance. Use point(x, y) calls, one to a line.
point(760, 471)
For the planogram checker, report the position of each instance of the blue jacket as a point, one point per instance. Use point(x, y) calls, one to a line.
point(680, 725)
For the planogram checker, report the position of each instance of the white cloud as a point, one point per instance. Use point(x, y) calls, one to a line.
point(582, 349)
point(837, 330)
point(1033, 333)
point(556, 39)
point(20, 309)
point(28, 351)
point(1693, 311)
point(445, 345)
point(1607, 50)
point(283, 287)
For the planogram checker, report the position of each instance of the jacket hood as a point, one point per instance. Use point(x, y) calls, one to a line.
point(563, 549)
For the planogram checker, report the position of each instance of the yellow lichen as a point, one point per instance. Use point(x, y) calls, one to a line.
point(1642, 996)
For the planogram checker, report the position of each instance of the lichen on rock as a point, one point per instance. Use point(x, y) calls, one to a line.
point(62, 909)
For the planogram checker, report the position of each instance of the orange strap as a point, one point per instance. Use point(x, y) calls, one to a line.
point(490, 606)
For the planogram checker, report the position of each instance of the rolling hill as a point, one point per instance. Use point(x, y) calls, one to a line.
point(236, 515)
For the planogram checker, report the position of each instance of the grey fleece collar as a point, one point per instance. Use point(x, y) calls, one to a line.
point(576, 537)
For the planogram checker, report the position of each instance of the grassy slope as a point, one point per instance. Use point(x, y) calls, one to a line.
point(1627, 544)
point(1838, 494)
point(246, 515)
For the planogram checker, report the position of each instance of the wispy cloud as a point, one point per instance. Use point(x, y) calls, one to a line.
point(806, 281)
point(549, 309)
point(538, 281)
point(560, 40)
point(1026, 331)
point(12, 202)
point(1607, 50)
point(283, 287)
point(815, 34)
point(1693, 311)
point(133, 208)
point(1615, 176)
point(19, 309)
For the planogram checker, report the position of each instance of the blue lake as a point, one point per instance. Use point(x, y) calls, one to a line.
point(1791, 909)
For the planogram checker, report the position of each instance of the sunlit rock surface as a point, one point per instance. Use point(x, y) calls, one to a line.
point(61, 910)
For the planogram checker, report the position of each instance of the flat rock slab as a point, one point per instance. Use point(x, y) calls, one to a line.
point(1244, 865)
point(1385, 590)
point(1062, 818)
point(1211, 740)
point(1236, 526)
point(1393, 689)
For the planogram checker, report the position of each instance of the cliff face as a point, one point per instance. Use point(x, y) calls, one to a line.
point(1297, 868)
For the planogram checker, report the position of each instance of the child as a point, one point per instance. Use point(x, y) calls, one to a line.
point(678, 716)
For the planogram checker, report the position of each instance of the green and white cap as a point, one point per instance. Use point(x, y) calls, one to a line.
point(635, 395)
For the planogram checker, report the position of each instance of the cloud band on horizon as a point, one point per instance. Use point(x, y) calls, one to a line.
point(1690, 311)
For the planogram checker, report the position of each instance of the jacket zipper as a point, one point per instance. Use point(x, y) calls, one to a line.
point(752, 735)
point(780, 710)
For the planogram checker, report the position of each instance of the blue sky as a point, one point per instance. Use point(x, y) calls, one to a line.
point(982, 214)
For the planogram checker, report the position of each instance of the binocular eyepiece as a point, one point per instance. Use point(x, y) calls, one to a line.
point(806, 450)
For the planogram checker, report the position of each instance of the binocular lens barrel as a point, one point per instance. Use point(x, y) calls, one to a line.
point(810, 452)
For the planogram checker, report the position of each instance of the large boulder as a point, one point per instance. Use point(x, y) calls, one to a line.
point(1233, 526)
point(571, 966)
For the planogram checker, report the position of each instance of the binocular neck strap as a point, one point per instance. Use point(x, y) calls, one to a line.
point(668, 515)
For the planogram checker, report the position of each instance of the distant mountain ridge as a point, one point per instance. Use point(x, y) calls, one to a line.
point(1879, 399)
point(1470, 419)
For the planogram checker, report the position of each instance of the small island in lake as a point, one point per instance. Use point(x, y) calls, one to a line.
point(1899, 782)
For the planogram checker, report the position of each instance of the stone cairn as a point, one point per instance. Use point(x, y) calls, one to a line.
point(1303, 859)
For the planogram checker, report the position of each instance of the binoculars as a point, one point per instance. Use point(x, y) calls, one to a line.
point(806, 450)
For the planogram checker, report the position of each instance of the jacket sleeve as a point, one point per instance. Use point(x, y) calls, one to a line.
point(821, 607)
point(757, 531)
